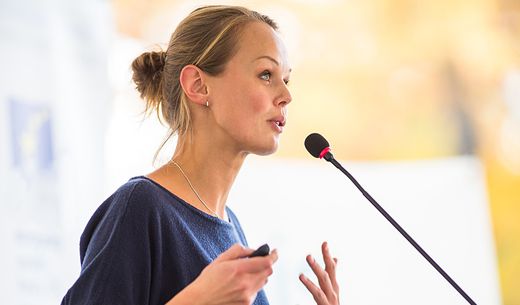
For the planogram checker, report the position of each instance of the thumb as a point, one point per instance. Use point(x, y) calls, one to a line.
point(234, 252)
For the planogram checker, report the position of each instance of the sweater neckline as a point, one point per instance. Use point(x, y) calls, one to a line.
point(189, 206)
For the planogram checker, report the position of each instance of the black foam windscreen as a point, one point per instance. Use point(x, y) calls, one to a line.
point(315, 144)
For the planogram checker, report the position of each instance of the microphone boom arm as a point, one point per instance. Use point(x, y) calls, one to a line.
point(328, 156)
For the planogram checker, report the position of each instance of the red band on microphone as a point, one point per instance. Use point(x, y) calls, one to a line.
point(324, 152)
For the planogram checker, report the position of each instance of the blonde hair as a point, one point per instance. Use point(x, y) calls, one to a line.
point(207, 38)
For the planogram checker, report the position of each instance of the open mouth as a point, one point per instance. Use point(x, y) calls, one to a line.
point(280, 123)
point(277, 125)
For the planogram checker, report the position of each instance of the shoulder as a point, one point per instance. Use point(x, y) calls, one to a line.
point(139, 188)
point(136, 207)
point(138, 195)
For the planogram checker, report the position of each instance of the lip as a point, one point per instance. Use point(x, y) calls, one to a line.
point(278, 123)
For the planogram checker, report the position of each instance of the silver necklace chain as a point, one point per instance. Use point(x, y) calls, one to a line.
point(193, 189)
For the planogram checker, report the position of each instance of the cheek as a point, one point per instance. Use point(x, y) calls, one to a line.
point(258, 102)
point(257, 98)
point(246, 105)
point(251, 103)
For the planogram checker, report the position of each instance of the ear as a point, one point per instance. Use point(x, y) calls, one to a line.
point(193, 85)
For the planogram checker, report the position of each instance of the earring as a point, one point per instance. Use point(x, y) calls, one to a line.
point(207, 103)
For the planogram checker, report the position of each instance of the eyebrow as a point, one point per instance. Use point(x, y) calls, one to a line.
point(271, 59)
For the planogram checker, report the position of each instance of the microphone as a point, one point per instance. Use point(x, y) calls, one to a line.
point(318, 147)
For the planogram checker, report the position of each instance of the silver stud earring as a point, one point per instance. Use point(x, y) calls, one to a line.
point(207, 103)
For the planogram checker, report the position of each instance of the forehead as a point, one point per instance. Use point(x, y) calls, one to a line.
point(258, 39)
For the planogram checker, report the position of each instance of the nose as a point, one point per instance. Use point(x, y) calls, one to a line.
point(285, 96)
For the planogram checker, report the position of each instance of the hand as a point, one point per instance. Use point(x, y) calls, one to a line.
point(328, 291)
point(230, 279)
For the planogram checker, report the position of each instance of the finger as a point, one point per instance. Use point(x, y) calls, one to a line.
point(256, 270)
point(274, 255)
point(334, 281)
point(254, 282)
point(259, 263)
point(323, 277)
point(316, 292)
point(234, 252)
point(330, 266)
point(327, 259)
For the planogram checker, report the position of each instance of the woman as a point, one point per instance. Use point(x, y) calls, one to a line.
point(168, 237)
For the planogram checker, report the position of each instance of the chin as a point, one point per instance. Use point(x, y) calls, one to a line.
point(266, 150)
point(266, 153)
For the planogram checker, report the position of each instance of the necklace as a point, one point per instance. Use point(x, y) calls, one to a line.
point(193, 189)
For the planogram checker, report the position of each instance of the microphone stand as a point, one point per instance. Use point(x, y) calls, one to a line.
point(328, 156)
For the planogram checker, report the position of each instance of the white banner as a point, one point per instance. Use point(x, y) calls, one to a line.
point(54, 100)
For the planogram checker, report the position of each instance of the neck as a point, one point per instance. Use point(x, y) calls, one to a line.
point(210, 169)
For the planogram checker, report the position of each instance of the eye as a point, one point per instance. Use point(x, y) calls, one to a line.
point(266, 75)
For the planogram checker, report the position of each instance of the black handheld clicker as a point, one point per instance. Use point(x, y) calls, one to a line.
point(263, 250)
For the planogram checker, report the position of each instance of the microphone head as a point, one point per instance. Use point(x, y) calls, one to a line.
point(316, 144)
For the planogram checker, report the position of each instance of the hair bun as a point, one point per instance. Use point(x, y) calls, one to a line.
point(147, 75)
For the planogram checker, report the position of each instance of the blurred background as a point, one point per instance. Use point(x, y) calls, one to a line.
point(386, 81)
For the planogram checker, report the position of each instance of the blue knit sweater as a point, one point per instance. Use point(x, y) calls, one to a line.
point(144, 244)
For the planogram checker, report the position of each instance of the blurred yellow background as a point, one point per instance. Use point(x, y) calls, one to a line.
point(394, 80)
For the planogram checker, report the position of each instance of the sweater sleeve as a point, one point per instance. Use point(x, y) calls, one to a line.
point(116, 253)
